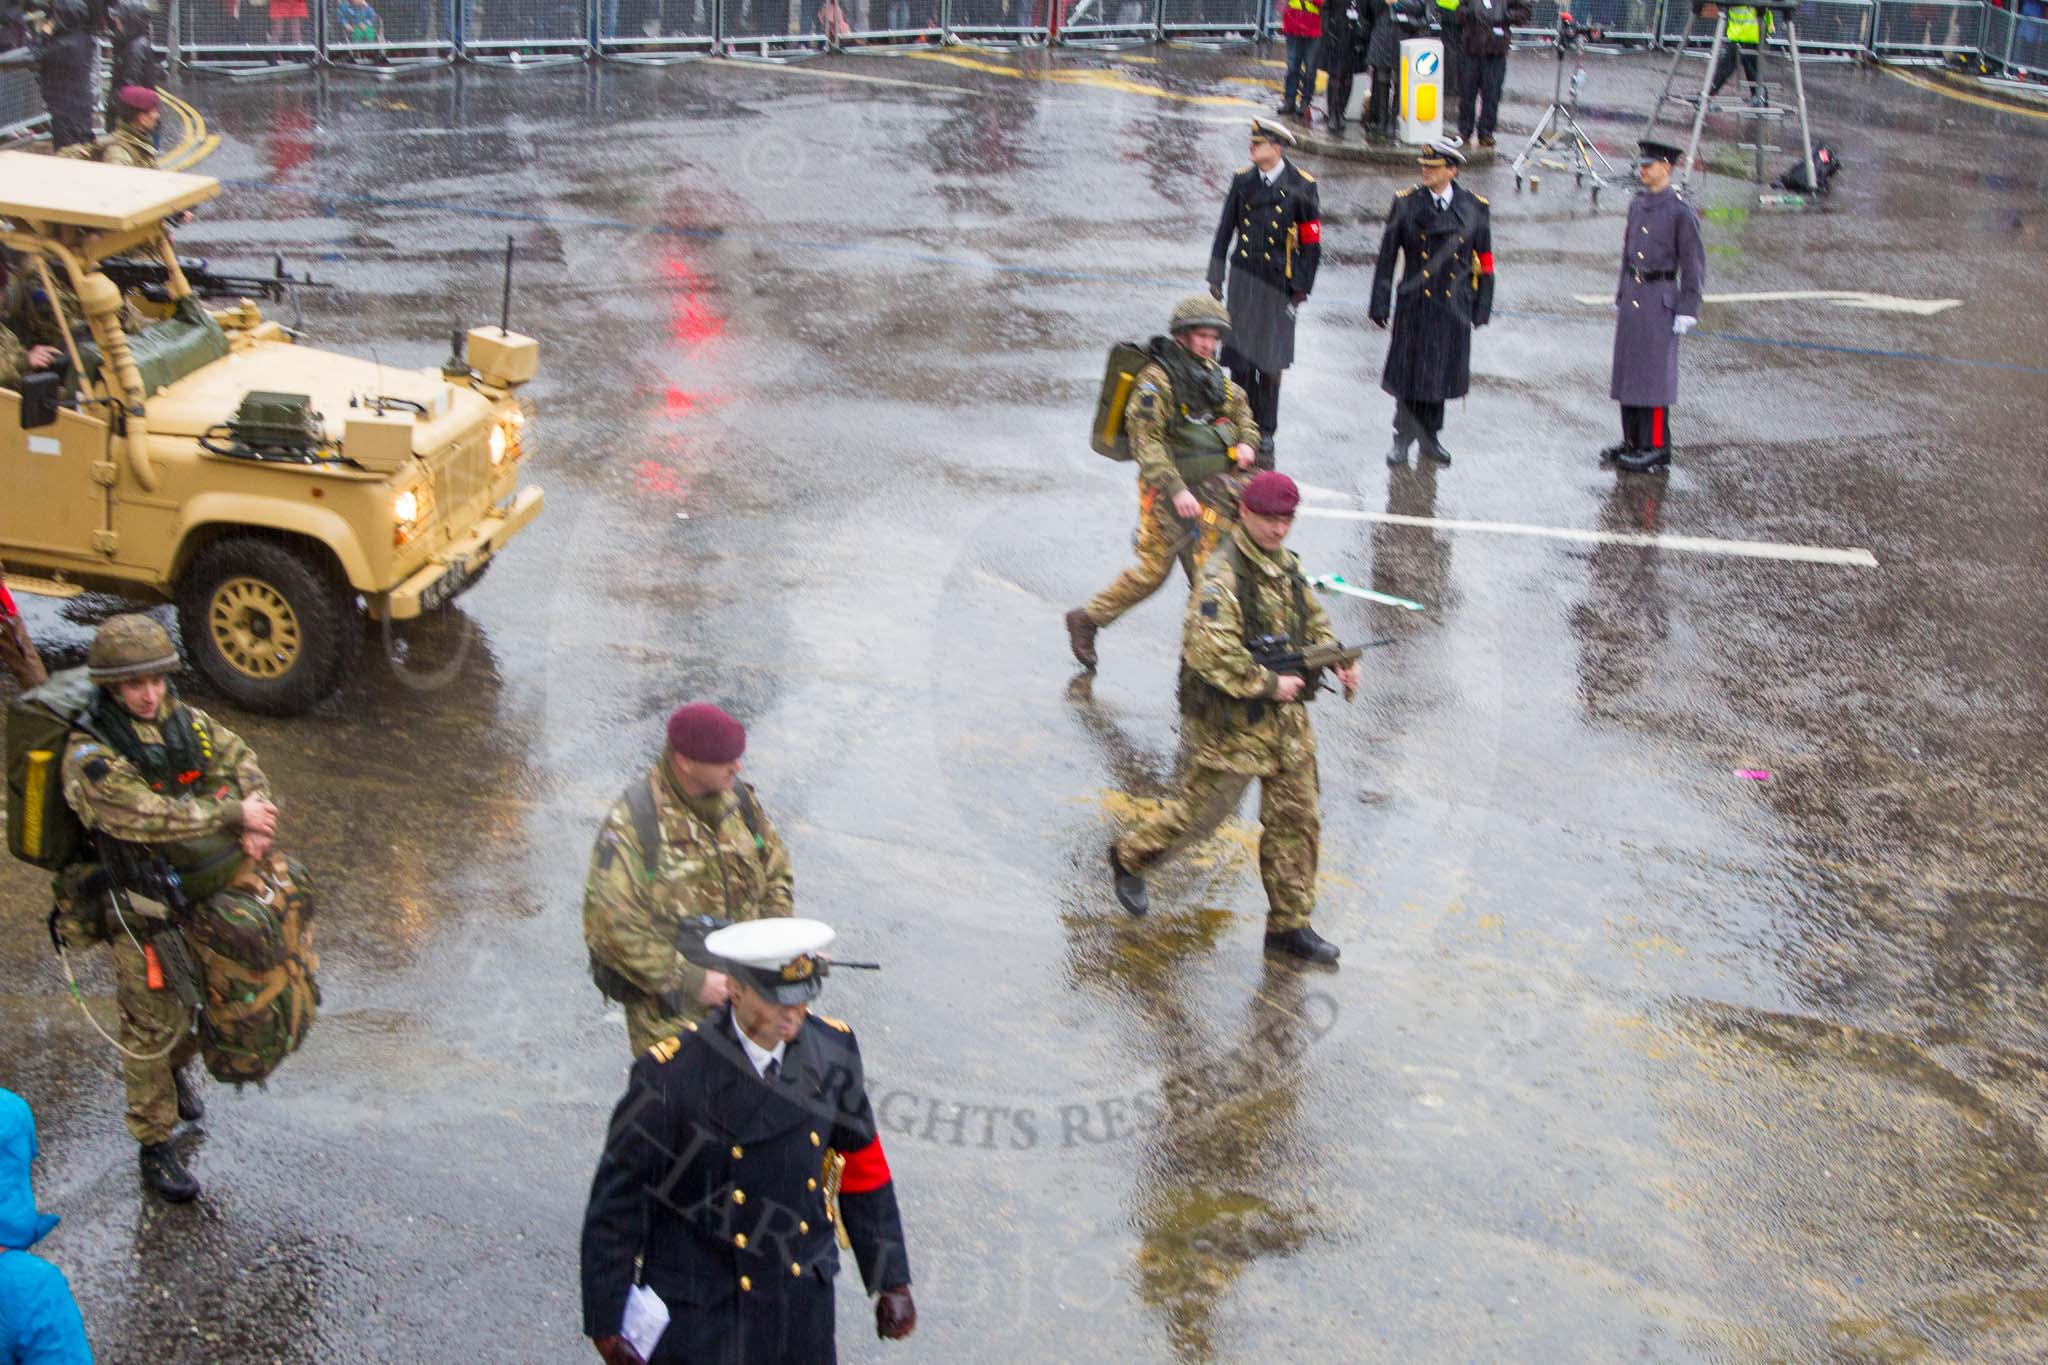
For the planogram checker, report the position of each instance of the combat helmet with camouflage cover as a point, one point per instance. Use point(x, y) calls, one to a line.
point(1199, 310)
point(130, 646)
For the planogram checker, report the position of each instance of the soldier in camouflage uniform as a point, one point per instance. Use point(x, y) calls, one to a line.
point(713, 852)
point(1241, 720)
point(1191, 432)
point(17, 360)
point(132, 142)
point(147, 769)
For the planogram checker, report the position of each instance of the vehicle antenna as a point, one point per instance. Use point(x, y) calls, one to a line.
point(505, 310)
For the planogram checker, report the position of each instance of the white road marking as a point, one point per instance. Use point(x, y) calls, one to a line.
point(1840, 298)
point(1700, 545)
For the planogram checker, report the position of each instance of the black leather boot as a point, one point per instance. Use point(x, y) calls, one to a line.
point(190, 1107)
point(1130, 887)
point(1397, 454)
point(1304, 943)
point(1616, 452)
point(166, 1174)
point(1645, 461)
point(1435, 450)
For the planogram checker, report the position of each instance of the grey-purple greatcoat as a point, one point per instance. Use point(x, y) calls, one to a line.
point(1662, 239)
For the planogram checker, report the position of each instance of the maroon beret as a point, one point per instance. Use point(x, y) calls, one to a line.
point(139, 98)
point(1271, 494)
point(703, 733)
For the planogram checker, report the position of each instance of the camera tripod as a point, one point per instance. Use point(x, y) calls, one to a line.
point(1560, 125)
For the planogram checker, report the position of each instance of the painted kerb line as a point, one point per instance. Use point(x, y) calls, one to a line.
point(1699, 545)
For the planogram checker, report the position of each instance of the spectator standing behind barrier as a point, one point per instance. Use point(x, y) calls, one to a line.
point(1301, 22)
point(39, 1320)
point(1450, 25)
point(1344, 31)
point(64, 58)
point(1486, 63)
point(134, 61)
point(287, 23)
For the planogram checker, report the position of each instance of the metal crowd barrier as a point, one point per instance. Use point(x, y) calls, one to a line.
point(1927, 30)
point(21, 102)
point(246, 35)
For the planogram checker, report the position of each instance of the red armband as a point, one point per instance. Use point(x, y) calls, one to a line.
point(1486, 262)
point(7, 607)
point(866, 1170)
point(1312, 232)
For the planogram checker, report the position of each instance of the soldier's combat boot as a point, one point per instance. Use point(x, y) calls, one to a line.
point(1645, 461)
point(190, 1107)
point(1130, 887)
point(1304, 943)
point(1434, 449)
point(167, 1175)
point(1081, 637)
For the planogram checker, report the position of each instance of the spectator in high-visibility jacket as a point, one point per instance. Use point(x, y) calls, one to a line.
point(1301, 21)
point(1747, 29)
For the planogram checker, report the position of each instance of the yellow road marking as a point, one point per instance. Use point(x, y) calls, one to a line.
point(1100, 80)
point(195, 145)
point(1981, 101)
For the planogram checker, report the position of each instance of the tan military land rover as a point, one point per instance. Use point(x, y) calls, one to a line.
point(272, 491)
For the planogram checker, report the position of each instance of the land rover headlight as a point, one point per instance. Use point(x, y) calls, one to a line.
point(406, 506)
point(498, 444)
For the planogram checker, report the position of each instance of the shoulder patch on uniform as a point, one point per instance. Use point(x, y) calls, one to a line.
point(830, 1022)
point(1403, 194)
point(1480, 197)
point(96, 769)
point(1304, 175)
point(664, 1050)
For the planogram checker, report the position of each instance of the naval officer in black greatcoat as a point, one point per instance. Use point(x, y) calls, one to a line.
point(715, 1188)
point(1276, 216)
point(1444, 235)
point(1657, 301)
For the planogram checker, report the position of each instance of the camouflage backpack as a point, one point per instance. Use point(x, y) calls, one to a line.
point(254, 941)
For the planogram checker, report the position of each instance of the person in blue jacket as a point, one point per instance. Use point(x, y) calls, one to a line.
point(39, 1321)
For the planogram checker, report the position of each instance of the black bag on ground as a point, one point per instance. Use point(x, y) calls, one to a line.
point(1825, 166)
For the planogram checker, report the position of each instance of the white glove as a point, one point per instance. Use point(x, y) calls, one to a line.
point(1682, 324)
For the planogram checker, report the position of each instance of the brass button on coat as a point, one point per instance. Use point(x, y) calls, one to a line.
point(739, 1239)
point(745, 1284)
point(802, 1226)
point(739, 1196)
point(737, 1154)
point(795, 1269)
point(814, 1139)
point(810, 1184)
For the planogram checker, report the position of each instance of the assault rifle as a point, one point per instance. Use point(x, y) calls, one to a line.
point(1278, 653)
point(132, 870)
point(150, 279)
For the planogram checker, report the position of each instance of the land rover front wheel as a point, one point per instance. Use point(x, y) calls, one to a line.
point(266, 623)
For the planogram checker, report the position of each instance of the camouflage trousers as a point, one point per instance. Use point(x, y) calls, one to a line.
point(1290, 832)
point(1161, 540)
point(150, 1022)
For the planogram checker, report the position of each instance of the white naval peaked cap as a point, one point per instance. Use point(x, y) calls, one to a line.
point(769, 944)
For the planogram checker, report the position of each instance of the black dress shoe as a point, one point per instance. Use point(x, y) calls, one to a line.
point(1434, 449)
point(1265, 457)
point(1397, 454)
point(1644, 461)
point(1286, 111)
point(1618, 451)
point(1335, 125)
point(190, 1107)
point(1304, 943)
point(1081, 630)
point(1130, 887)
point(167, 1175)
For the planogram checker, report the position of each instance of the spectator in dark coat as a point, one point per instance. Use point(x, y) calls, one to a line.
point(1486, 63)
point(39, 1320)
point(135, 60)
point(1344, 32)
point(64, 58)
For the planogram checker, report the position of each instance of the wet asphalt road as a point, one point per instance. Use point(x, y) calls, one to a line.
point(1628, 1057)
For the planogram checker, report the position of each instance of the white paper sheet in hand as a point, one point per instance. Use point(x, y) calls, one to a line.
point(646, 1319)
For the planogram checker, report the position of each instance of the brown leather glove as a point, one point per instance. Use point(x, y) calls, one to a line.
point(618, 1351)
point(895, 1314)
